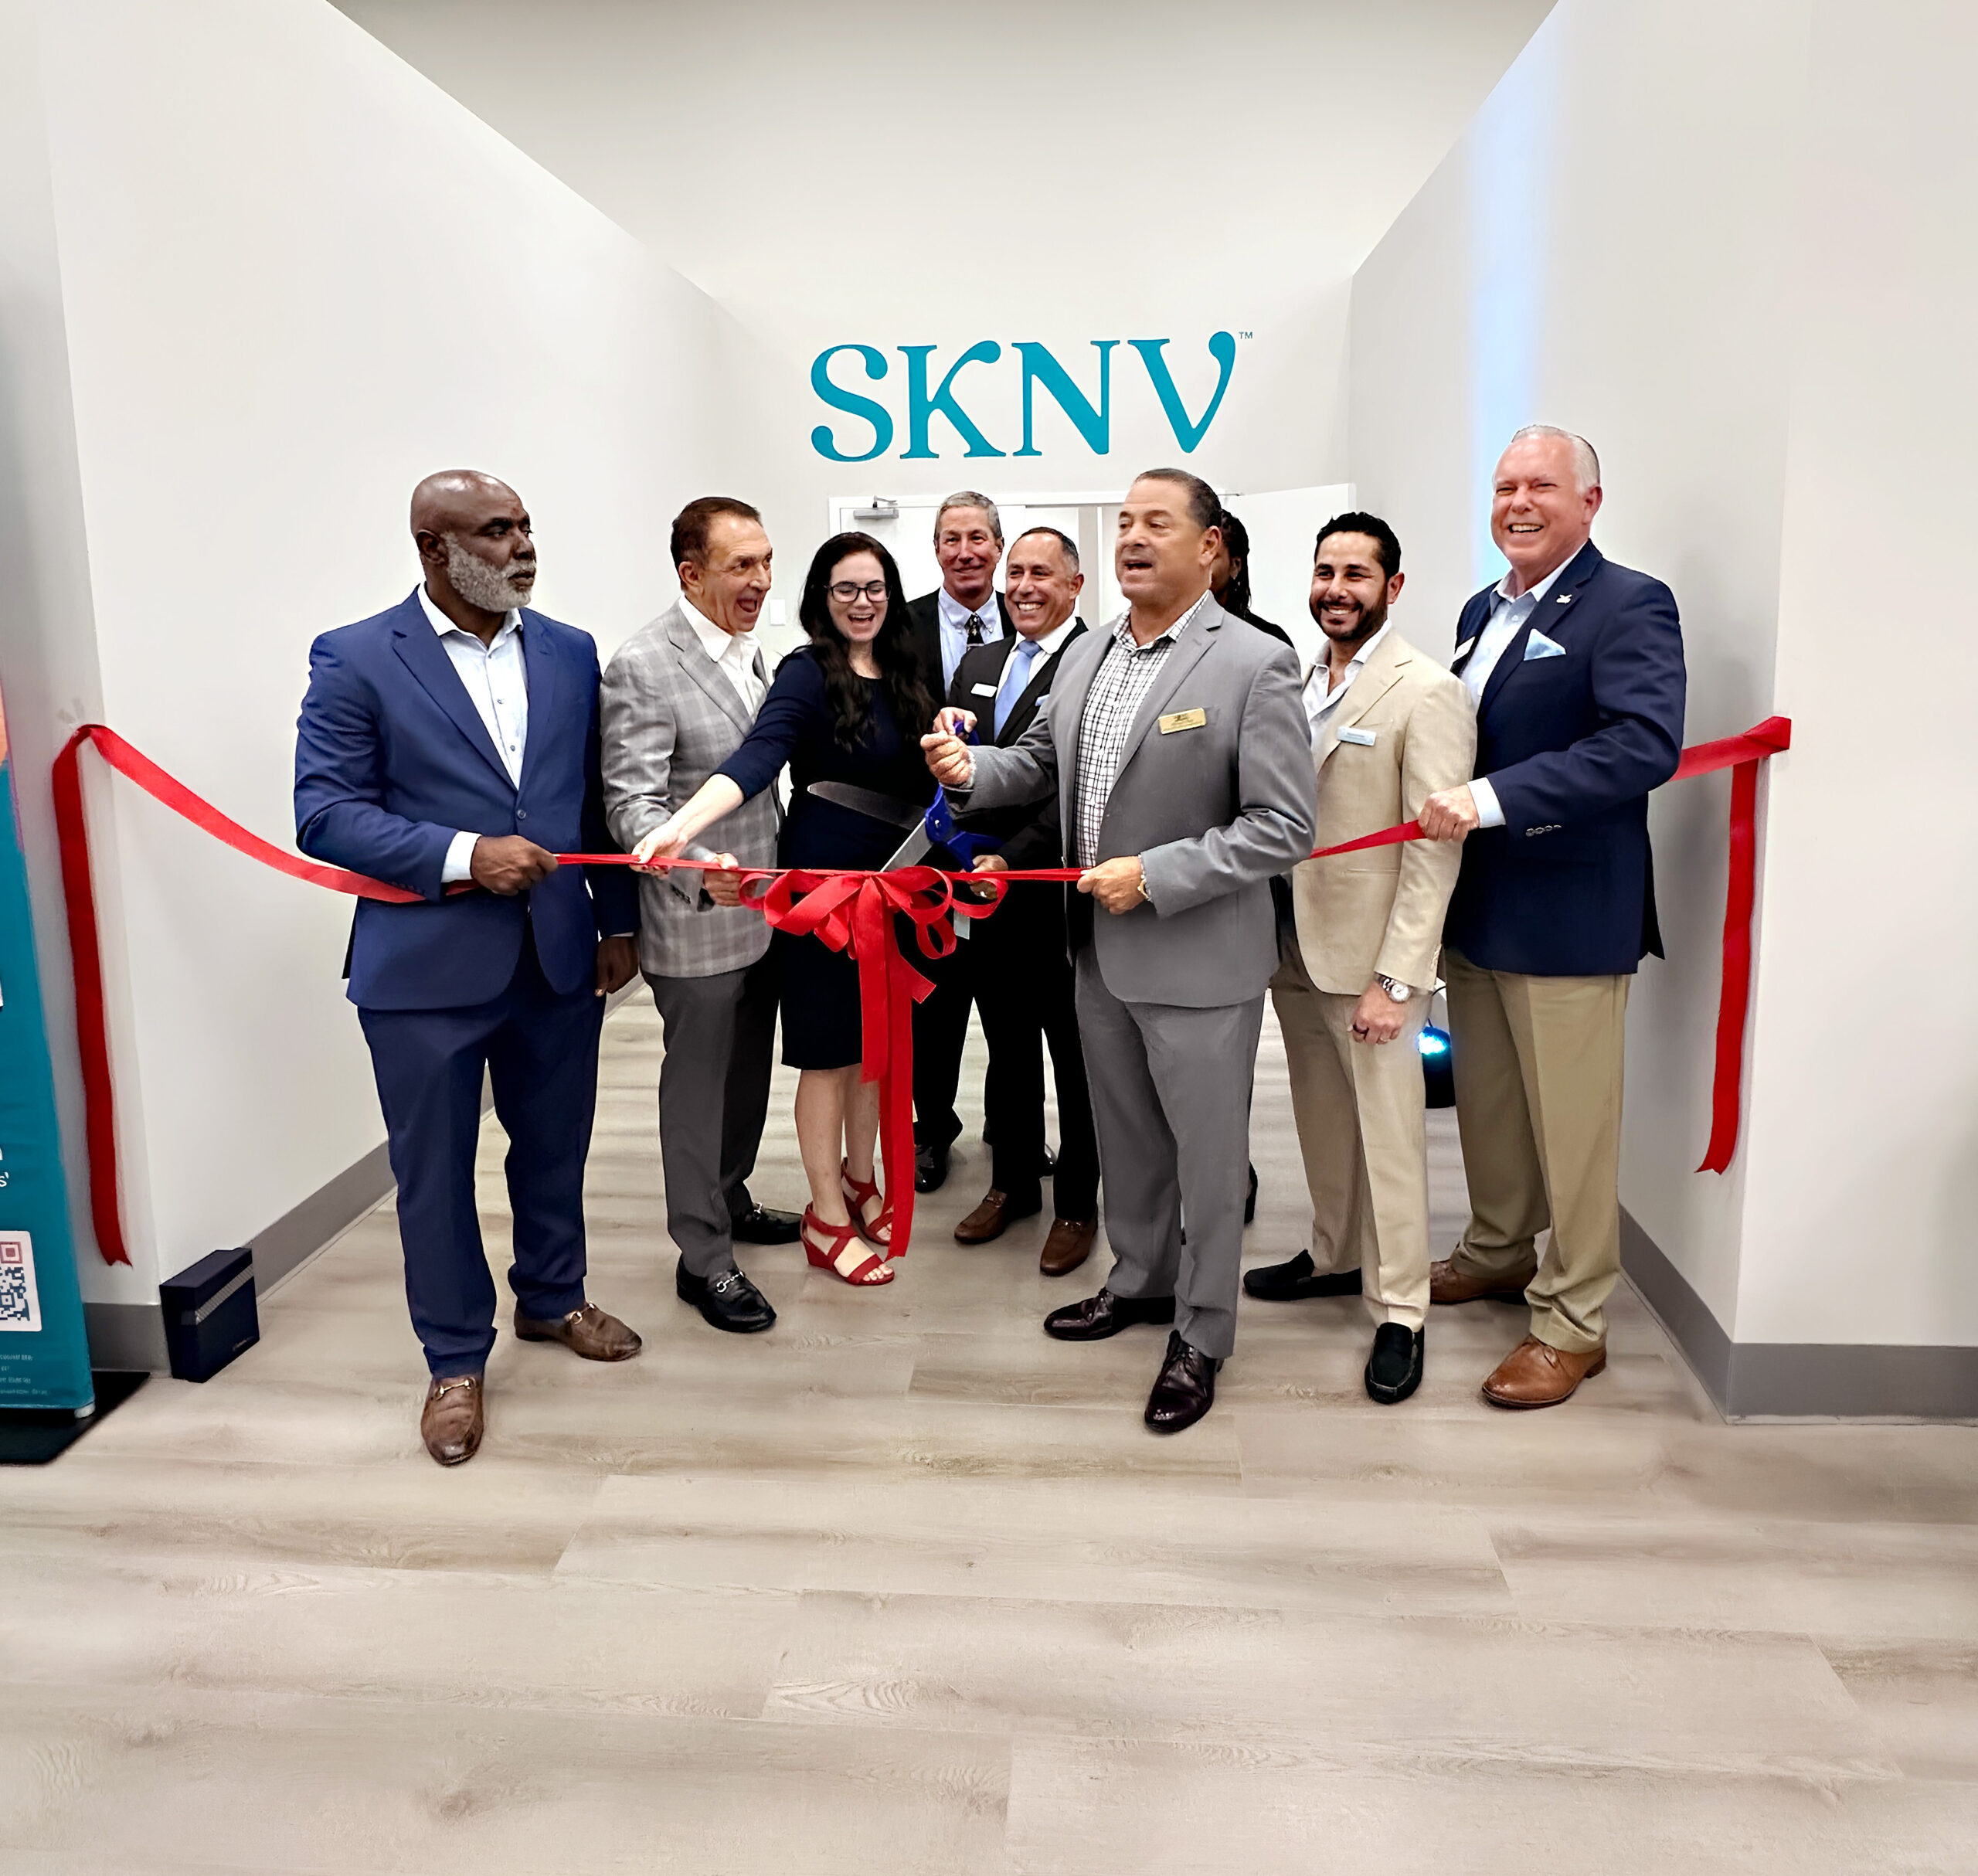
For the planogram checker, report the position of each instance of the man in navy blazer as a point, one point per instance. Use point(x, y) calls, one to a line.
point(1576, 666)
point(452, 742)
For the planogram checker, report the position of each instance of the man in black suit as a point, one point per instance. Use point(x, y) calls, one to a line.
point(963, 612)
point(1023, 974)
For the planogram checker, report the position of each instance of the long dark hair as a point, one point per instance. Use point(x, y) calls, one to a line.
point(894, 650)
point(1236, 537)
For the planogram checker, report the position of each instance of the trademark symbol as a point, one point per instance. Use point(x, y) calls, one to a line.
point(1246, 335)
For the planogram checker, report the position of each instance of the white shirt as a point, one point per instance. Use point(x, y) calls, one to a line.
point(1018, 670)
point(1507, 618)
point(734, 654)
point(498, 687)
point(1319, 702)
point(954, 618)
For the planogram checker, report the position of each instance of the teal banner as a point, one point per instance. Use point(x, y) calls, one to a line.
point(44, 1357)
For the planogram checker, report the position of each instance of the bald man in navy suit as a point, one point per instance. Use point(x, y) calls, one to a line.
point(1576, 665)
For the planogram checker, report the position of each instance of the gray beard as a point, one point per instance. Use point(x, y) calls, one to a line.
point(484, 585)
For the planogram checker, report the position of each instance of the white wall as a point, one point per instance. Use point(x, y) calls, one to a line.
point(1643, 238)
point(294, 277)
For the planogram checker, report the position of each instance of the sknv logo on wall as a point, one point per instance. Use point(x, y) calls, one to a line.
point(1040, 367)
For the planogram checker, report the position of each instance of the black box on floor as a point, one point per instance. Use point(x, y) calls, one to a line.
point(209, 1313)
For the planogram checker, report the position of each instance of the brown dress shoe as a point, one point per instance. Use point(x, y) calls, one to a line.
point(451, 1423)
point(995, 1215)
point(1448, 1284)
point(1068, 1246)
point(588, 1331)
point(1535, 1374)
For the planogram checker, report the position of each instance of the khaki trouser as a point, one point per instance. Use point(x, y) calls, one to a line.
point(1538, 1066)
point(1358, 1107)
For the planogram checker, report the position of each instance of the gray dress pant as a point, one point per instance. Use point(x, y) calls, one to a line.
point(1170, 1094)
point(714, 1095)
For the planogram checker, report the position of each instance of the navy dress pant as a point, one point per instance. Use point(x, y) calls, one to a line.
point(539, 1051)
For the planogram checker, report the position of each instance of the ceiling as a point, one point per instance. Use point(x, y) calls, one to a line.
point(1036, 164)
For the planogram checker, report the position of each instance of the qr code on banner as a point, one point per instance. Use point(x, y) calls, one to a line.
point(20, 1308)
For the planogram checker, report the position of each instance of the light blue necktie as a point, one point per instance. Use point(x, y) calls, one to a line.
point(1016, 680)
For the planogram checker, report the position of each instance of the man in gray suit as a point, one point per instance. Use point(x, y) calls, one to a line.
point(677, 698)
point(1178, 750)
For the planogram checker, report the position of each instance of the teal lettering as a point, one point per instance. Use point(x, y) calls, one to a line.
point(852, 404)
point(920, 408)
point(1222, 349)
point(1039, 367)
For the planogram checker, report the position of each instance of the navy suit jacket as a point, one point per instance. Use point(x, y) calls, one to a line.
point(1572, 745)
point(392, 759)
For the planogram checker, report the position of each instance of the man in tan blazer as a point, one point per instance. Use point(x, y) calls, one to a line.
point(1389, 728)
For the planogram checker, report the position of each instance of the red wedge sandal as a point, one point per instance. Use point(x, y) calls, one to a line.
point(865, 1275)
point(859, 1193)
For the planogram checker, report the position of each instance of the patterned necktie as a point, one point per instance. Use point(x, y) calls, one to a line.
point(974, 628)
point(1016, 680)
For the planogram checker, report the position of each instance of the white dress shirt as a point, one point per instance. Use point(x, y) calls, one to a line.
point(498, 686)
point(734, 654)
point(954, 618)
point(1019, 670)
point(1320, 702)
point(1507, 618)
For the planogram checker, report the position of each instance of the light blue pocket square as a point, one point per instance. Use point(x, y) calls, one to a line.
point(1538, 645)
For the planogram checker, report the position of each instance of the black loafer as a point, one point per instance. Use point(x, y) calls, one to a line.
point(930, 1168)
point(1184, 1389)
point(1297, 1282)
point(759, 1224)
point(728, 1301)
point(1394, 1370)
point(1250, 1199)
point(1106, 1314)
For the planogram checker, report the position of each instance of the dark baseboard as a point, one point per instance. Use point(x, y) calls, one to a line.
point(129, 1336)
point(285, 1246)
point(1798, 1380)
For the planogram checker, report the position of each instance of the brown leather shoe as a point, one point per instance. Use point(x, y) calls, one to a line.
point(993, 1216)
point(588, 1331)
point(451, 1422)
point(1068, 1246)
point(1448, 1284)
point(1535, 1374)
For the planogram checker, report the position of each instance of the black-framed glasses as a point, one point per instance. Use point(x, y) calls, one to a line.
point(845, 591)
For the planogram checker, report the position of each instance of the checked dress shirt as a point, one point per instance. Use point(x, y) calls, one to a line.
point(1119, 687)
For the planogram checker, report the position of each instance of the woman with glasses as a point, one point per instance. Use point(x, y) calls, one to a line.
point(849, 706)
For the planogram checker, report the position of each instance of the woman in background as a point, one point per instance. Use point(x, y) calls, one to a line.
point(1230, 579)
point(849, 706)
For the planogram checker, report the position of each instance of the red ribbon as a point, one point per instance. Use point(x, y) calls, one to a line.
point(850, 911)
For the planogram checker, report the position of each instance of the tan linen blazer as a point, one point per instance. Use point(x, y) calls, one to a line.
point(1379, 913)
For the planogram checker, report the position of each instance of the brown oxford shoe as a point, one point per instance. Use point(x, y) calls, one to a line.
point(1068, 1246)
point(1535, 1374)
point(588, 1331)
point(996, 1214)
point(1448, 1284)
point(451, 1422)
point(1184, 1389)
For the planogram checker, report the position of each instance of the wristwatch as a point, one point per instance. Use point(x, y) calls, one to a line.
point(1399, 992)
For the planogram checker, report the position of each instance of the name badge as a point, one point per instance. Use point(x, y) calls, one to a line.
point(1183, 719)
point(1359, 739)
point(1464, 649)
point(983, 690)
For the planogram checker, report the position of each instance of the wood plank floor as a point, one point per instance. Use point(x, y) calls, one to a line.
point(904, 1586)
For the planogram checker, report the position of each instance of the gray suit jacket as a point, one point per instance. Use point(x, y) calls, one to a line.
point(670, 719)
point(1213, 809)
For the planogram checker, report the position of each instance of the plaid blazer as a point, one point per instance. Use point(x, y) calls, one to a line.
point(670, 719)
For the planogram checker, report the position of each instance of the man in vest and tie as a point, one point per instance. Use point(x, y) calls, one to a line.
point(963, 612)
point(1023, 973)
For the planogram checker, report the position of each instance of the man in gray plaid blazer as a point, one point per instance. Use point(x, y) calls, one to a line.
point(677, 698)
